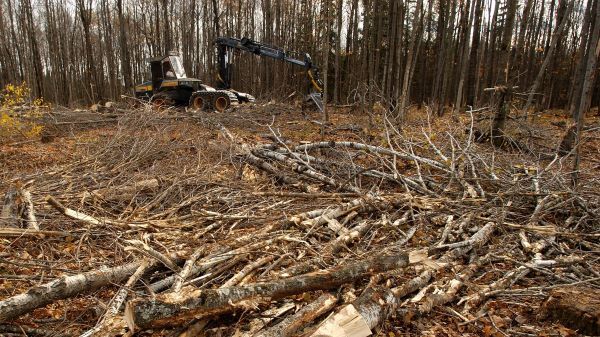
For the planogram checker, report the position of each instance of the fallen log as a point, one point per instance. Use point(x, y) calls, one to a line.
point(293, 323)
point(20, 330)
point(61, 288)
point(577, 308)
point(377, 303)
point(111, 324)
point(18, 232)
point(174, 308)
point(18, 208)
point(371, 308)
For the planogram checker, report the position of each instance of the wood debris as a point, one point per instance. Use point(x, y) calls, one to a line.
point(220, 232)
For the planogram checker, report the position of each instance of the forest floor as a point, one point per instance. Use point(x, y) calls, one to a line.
point(483, 241)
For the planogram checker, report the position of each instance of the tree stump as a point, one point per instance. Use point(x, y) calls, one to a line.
point(575, 308)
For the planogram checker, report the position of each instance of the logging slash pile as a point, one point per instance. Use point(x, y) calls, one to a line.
point(252, 223)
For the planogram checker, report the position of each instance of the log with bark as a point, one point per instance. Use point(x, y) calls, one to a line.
point(61, 288)
point(18, 210)
point(576, 307)
point(174, 308)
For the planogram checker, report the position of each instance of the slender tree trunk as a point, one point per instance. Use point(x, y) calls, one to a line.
point(36, 58)
point(464, 60)
point(417, 18)
point(549, 54)
point(338, 50)
point(124, 48)
point(593, 52)
point(473, 70)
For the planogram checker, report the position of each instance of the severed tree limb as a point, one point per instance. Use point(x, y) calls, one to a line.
point(329, 251)
point(359, 205)
point(371, 149)
point(304, 170)
point(447, 229)
point(474, 300)
point(187, 268)
point(279, 177)
point(372, 307)
point(145, 249)
point(352, 235)
point(476, 241)
point(214, 259)
point(22, 330)
point(18, 232)
point(427, 303)
point(18, 208)
point(61, 288)
point(248, 157)
point(246, 270)
point(111, 324)
point(265, 318)
point(377, 303)
point(72, 213)
point(171, 309)
point(294, 323)
point(196, 327)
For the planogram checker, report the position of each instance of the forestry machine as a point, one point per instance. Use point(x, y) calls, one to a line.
point(226, 45)
point(170, 85)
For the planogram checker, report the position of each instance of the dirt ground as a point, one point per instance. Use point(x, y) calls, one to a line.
point(202, 180)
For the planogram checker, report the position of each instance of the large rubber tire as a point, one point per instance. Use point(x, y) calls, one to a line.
point(197, 102)
point(161, 101)
point(220, 102)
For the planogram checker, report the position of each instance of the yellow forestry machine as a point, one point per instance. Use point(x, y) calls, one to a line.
point(170, 86)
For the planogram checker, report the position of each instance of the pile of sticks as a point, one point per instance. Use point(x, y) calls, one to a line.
point(331, 238)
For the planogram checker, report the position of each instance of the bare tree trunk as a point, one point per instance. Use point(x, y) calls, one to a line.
point(587, 86)
point(85, 14)
point(473, 70)
point(338, 50)
point(466, 18)
point(124, 48)
point(417, 18)
point(507, 34)
point(550, 53)
point(326, 50)
point(35, 51)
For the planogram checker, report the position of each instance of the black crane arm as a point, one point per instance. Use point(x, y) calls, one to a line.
point(226, 44)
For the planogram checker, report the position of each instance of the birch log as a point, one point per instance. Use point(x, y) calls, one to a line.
point(174, 308)
point(61, 288)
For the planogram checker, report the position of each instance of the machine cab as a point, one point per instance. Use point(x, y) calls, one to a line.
point(166, 71)
point(167, 76)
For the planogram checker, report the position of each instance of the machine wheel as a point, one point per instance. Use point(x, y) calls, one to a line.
point(219, 100)
point(220, 103)
point(197, 102)
point(161, 101)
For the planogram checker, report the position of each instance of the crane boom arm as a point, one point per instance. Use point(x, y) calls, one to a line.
point(226, 44)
